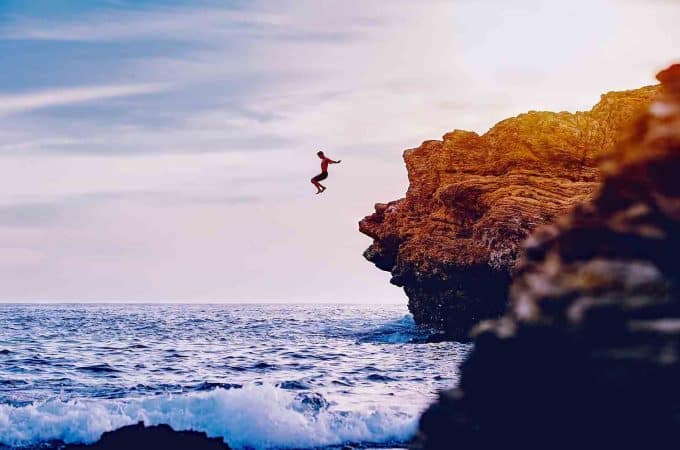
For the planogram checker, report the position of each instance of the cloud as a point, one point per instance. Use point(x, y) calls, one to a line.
point(18, 103)
point(183, 23)
point(203, 192)
point(69, 210)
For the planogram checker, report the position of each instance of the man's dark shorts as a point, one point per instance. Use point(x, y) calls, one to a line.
point(321, 176)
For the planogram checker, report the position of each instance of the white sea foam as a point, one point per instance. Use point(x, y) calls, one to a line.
point(255, 416)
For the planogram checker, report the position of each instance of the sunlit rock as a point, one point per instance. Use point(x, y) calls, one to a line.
point(453, 241)
point(588, 353)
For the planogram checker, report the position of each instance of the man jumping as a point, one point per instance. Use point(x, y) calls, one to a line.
point(324, 172)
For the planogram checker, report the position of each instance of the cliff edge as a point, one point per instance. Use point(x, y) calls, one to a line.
point(453, 241)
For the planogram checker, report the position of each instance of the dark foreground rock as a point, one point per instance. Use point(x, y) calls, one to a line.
point(141, 437)
point(588, 354)
point(453, 241)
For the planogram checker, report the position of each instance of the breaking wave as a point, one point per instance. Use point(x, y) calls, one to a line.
point(255, 416)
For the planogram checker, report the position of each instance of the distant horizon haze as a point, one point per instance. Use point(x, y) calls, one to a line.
point(193, 303)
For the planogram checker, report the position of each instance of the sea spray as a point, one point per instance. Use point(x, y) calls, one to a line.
point(252, 417)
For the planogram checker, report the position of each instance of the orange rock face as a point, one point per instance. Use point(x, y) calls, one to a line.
point(453, 241)
point(588, 353)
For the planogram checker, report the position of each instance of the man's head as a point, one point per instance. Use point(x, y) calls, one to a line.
point(320, 154)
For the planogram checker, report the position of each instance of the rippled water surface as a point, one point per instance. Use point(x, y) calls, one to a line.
point(262, 376)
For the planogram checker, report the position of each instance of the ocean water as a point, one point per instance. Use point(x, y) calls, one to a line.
point(260, 376)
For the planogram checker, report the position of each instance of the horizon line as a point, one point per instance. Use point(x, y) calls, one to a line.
point(184, 302)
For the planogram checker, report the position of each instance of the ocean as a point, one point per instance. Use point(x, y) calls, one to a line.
point(263, 376)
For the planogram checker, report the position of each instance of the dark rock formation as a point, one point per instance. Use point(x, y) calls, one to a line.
point(588, 353)
point(453, 242)
point(141, 437)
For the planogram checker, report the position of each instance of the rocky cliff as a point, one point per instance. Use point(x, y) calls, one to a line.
point(452, 242)
point(588, 354)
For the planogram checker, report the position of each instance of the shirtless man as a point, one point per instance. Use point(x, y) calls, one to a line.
point(324, 171)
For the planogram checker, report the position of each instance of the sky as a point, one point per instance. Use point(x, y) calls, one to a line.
point(161, 150)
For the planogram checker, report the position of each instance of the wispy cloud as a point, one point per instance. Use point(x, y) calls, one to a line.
point(17, 103)
point(201, 191)
point(69, 210)
point(181, 24)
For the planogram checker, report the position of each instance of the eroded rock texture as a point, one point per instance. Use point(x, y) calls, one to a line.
point(452, 243)
point(588, 354)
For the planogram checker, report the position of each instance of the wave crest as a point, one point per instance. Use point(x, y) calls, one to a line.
point(257, 417)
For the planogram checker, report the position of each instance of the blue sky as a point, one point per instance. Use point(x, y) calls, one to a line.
point(161, 150)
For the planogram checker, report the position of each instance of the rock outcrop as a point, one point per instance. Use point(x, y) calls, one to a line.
point(588, 353)
point(453, 241)
point(141, 437)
